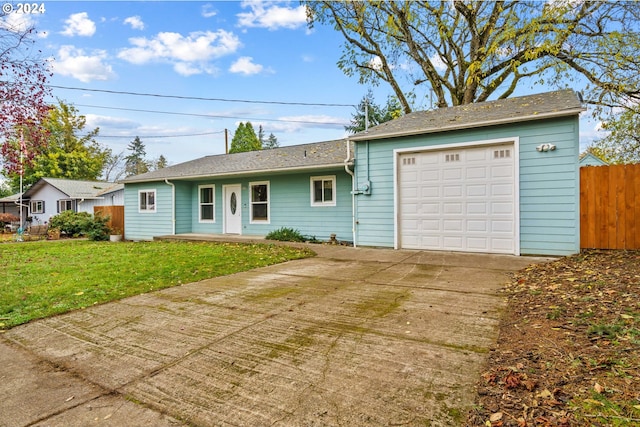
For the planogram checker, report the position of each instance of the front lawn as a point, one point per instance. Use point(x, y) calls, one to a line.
point(40, 279)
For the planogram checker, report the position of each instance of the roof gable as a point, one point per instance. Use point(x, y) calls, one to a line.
point(71, 188)
point(295, 157)
point(503, 111)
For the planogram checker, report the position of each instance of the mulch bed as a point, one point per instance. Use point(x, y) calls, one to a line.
point(568, 352)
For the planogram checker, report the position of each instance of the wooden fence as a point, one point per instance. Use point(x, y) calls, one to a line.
point(610, 207)
point(115, 214)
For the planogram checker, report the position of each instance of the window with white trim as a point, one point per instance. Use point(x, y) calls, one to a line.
point(37, 206)
point(147, 201)
point(259, 202)
point(206, 203)
point(323, 190)
point(65, 205)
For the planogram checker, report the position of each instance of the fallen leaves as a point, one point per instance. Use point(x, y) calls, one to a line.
point(568, 353)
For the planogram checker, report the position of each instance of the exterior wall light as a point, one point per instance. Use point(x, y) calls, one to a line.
point(545, 147)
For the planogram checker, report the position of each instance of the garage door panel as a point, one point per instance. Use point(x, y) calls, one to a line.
point(477, 190)
point(502, 190)
point(477, 226)
point(476, 173)
point(452, 208)
point(452, 174)
point(452, 226)
point(466, 200)
point(453, 243)
point(476, 208)
point(429, 191)
point(501, 208)
point(477, 244)
point(430, 226)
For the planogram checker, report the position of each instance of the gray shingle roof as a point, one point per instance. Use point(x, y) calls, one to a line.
point(510, 110)
point(305, 156)
point(72, 188)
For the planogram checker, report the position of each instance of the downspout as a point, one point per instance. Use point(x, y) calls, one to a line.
point(173, 206)
point(353, 193)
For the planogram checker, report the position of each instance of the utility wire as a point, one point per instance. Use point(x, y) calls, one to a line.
point(210, 116)
point(159, 136)
point(197, 98)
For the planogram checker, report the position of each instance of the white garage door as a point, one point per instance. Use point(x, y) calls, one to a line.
point(458, 200)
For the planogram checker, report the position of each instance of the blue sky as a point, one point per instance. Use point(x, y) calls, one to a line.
point(226, 50)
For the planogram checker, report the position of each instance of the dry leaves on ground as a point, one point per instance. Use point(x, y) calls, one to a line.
point(568, 353)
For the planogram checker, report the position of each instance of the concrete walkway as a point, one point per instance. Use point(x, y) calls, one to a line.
point(352, 337)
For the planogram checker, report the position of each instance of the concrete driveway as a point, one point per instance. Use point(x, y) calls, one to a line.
point(352, 337)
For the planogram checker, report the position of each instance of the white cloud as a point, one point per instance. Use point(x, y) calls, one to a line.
point(189, 54)
point(298, 123)
point(375, 63)
point(135, 22)
point(188, 68)
point(208, 11)
point(245, 65)
point(271, 16)
point(16, 22)
point(110, 122)
point(438, 63)
point(79, 24)
point(75, 63)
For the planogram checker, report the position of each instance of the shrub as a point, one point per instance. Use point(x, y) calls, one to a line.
point(285, 234)
point(77, 224)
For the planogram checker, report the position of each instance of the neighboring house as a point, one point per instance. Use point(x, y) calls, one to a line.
point(50, 196)
point(10, 204)
point(495, 177)
point(588, 159)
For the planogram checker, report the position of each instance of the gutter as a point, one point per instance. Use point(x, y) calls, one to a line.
point(466, 126)
point(347, 162)
point(173, 206)
point(239, 173)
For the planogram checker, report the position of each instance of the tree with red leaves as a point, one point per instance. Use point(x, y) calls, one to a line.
point(23, 90)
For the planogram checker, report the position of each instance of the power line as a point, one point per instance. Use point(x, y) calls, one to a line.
point(197, 98)
point(210, 116)
point(160, 136)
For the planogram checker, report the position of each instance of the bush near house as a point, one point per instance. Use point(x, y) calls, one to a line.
point(286, 234)
point(76, 224)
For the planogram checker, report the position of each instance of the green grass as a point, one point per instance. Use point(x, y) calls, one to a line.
point(41, 279)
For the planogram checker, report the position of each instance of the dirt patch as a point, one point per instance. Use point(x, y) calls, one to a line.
point(568, 351)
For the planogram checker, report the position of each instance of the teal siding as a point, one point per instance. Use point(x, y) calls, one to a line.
point(183, 207)
point(144, 226)
point(549, 183)
point(290, 206)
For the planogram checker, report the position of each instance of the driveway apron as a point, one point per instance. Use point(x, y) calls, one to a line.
point(351, 337)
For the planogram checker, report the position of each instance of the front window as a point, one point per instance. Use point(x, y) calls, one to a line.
point(260, 202)
point(65, 205)
point(147, 201)
point(37, 206)
point(207, 203)
point(323, 191)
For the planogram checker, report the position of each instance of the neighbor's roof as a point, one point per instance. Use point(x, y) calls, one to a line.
point(503, 111)
point(296, 157)
point(10, 199)
point(72, 188)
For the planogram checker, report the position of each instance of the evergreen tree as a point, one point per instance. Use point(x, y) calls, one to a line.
point(271, 142)
point(261, 135)
point(245, 139)
point(373, 112)
point(160, 163)
point(135, 163)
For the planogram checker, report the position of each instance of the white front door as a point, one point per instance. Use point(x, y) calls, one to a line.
point(232, 209)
